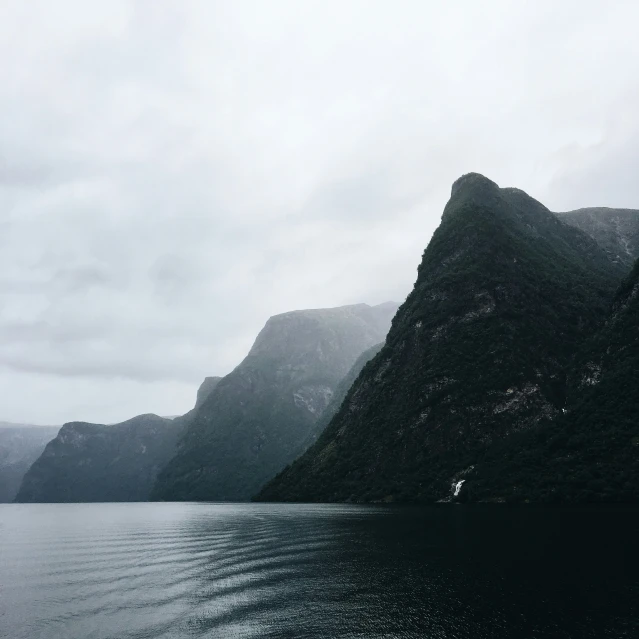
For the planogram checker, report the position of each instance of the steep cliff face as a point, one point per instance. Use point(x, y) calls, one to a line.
point(98, 462)
point(20, 446)
point(264, 413)
point(590, 452)
point(95, 462)
point(206, 388)
point(505, 295)
point(615, 230)
point(341, 390)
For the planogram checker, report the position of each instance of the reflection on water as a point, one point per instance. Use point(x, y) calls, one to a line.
point(82, 571)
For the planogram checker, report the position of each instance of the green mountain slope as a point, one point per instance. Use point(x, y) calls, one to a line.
point(505, 295)
point(98, 462)
point(591, 453)
point(95, 462)
point(264, 414)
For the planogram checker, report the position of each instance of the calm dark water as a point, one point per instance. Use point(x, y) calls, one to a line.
point(210, 570)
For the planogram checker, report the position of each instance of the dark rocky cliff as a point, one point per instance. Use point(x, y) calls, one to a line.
point(505, 296)
point(591, 451)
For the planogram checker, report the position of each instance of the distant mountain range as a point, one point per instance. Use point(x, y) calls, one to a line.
point(243, 429)
point(98, 462)
point(508, 375)
point(269, 409)
point(20, 446)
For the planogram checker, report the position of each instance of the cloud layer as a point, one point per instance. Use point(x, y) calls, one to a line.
point(172, 174)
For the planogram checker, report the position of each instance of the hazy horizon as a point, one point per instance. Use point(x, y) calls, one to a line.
point(173, 174)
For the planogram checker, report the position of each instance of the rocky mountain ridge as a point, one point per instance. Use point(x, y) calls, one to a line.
point(507, 375)
point(478, 355)
point(98, 462)
point(264, 413)
point(615, 230)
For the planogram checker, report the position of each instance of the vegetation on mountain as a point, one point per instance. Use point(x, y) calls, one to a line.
point(477, 356)
point(269, 409)
point(98, 462)
point(590, 453)
point(205, 389)
point(507, 375)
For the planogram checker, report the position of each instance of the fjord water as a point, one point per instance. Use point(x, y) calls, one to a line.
point(83, 571)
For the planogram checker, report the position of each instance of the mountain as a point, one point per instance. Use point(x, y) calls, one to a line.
point(205, 390)
point(262, 415)
point(98, 462)
point(341, 390)
point(615, 230)
point(590, 453)
point(506, 294)
point(20, 446)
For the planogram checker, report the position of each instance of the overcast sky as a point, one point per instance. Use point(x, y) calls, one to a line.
point(174, 173)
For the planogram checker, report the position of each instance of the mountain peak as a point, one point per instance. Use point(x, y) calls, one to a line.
point(296, 331)
point(268, 409)
point(504, 297)
point(472, 181)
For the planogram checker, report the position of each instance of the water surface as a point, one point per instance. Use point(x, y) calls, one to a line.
point(124, 571)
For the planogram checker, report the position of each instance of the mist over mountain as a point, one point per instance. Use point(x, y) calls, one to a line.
point(507, 375)
point(615, 230)
point(98, 462)
point(20, 446)
point(205, 389)
point(261, 416)
point(479, 355)
point(341, 390)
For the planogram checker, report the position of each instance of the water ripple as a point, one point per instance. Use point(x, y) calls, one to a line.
point(142, 571)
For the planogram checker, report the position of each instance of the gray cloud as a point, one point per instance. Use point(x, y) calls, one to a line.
point(172, 174)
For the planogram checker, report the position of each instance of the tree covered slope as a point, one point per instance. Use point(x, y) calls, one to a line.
point(505, 296)
point(590, 453)
point(97, 462)
point(269, 409)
